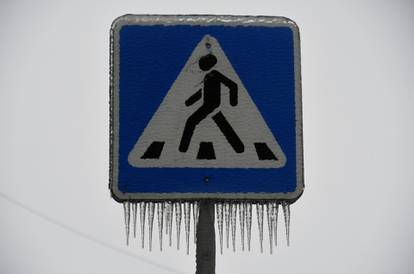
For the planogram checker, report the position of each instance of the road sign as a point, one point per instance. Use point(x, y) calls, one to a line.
point(205, 107)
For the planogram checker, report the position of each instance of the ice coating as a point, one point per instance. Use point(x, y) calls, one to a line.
point(195, 219)
point(127, 209)
point(160, 211)
point(233, 217)
point(286, 213)
point(187, 221)
point(151, 210)
point(142, 211)
point(167, 215)
point(227, 213)
point(275, 216)
point(178, 216)
point(249, 224)
point(225, 216)
point(134, 218)
point(259, 208)
point(170, 223)
point(242, 218)
point(219, 220)
point(270, 223)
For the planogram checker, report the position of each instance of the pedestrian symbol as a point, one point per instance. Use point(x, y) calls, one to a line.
point(207, 120)
point(211, 101)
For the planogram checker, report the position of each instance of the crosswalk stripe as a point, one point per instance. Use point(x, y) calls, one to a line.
point(206, 151)
point(153, 151)
point(264, 152)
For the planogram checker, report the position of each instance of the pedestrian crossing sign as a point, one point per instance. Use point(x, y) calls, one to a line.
point(205, 107)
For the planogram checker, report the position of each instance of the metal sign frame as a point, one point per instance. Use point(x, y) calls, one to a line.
point(199, 20)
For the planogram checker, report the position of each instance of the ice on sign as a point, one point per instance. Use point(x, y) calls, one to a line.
point(205, 107)
point(170, 212)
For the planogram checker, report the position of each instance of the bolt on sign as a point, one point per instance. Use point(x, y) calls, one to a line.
point(205, 108)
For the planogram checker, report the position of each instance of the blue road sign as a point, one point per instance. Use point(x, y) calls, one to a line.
point(205, 107)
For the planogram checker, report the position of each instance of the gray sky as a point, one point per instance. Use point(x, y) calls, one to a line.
point(355, 215)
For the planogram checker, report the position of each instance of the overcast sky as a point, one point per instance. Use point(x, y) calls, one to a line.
point(356, 215)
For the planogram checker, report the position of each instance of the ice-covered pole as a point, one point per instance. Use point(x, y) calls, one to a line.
point(206, 242)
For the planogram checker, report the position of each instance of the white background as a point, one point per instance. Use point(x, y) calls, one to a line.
point(356, 215)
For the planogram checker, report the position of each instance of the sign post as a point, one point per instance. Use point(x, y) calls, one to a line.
point(206, 118)
point(206, 241)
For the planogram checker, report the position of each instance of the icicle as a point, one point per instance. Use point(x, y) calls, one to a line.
point(127, 209)
point(275, 216)
point(142, 210)
point(286, 213)
point(195, 219)
point(269, 211)
point(197, 211)
point(227, 213)
point(167, 216)
point(187, 221)
point(219, 213)
point(151, 209)
point(242, 218)
point(193, 208)
point(259, 208)
point(170, 223)
point(249, 223)
point(160, 211)
point(233, 225)
point(134, 218)
point(178, 221)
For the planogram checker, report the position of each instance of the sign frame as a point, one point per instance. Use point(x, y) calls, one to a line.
point(200, 20)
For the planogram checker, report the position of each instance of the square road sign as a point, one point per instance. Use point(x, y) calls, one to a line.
point(205, 107)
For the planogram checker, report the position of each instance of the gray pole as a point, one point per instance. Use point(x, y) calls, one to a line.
point(206, 241)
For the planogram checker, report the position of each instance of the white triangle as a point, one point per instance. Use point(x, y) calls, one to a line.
point(168, 122)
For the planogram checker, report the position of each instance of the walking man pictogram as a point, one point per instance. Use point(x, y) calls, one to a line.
point(211, 94)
